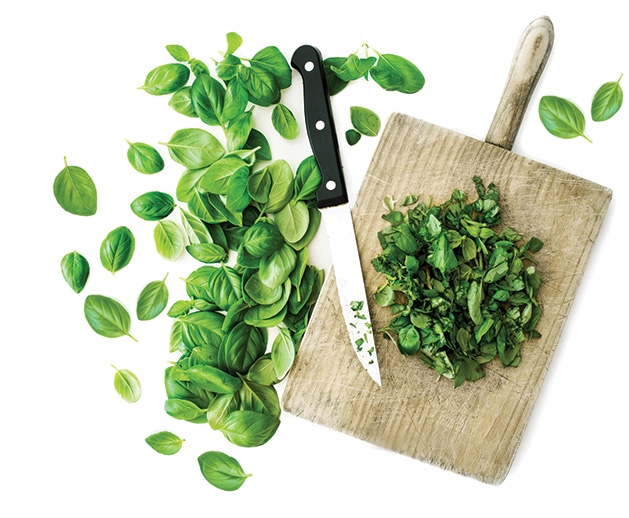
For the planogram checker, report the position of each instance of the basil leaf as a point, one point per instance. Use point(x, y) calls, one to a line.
point(228, 68)
point(259, 398)
point(282, 353)
point(182, 103)
point(352, 136)
point(194, 148)
point(75, 270)
point(273, 61)
point(308, 179)
point(152, 300)
point(263, 238)
point(236, 100)
point(213, 379)
point(127, 385)
point(275, 269)
point(234, 41)
point(207, 252)
point(248, 428)
point(260, 143)
point(561, 117)
point(166, 443)
point(237, 198)
point(169, 240)
point(166, 79)
point(222, 471)
point(208, 96)
point(217, 176)
point(395, 73)
point(182, 409)
point(237, 130)
point(144, 158)
point(284, 122)
point(241, 347)
point(365, 121)
point(353, 67)
point(75, 191)
point(195, 229)
point(117, 249)
point(153, 205)
point(189, 182)
point(607, 101)
point(314, 219)
point(261, 85)
point(281, 185)
point(202, 328)
point(263, 371)
point(107, 316)
point(292, 221)
point(334, 83)
point(178, 52)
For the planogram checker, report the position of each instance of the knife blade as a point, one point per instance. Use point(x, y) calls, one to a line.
point(333, 202)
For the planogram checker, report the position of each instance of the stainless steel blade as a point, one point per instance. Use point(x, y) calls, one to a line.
point(351, 286)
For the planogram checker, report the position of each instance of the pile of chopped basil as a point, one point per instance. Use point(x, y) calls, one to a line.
point(460, 291)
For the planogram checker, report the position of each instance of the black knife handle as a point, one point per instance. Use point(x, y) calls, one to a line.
point(308, 62)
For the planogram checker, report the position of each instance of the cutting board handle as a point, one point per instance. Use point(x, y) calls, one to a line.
point(528, 63)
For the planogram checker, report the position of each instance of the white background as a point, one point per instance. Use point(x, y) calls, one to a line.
point(70, 71)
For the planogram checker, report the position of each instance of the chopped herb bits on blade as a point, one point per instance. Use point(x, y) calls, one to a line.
point(460, 291)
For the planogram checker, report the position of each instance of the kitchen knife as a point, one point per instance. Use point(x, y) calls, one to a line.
point(333, 201)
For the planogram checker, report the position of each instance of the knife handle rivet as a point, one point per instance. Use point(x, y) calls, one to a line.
point(330, 185)
point(320, 125)
point(309, 66)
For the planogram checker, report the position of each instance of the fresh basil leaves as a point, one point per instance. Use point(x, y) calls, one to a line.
point(127, 385)
point(117, 249)
point(166, 443)
point(564, 119)
point(75, 270)
point(461, 292)
point(107, 316)
point(75, 191)
point(222, 471)
point(152, 300)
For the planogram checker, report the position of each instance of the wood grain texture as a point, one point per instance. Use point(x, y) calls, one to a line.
point(475, 429)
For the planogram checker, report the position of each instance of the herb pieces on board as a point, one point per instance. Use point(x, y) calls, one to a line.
point(460, 292)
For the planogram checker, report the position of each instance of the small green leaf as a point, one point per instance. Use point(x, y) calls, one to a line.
point(561, 117)
point(365, 121)
point(352, 136)
point(75, 191)
point(153, 205)
point(353, 67)
point(107, 316)
point(166, 79)
point(144, 158)
point(207, 252)
point(607, 101)
point(282, 353)
point(234, 41)
point(169, 240)
point(152, 300)
point(178, 52)
point(127, 385)
point(117, 249)
point(75, 270)
point(222, 471)
point(284, 122)
point(395, 73)
point(194, 148)
point(166, 443)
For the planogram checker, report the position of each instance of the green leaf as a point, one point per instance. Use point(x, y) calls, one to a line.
point(607, 101)
point(284, 122)
point(75, 270)
point(353, 67)
point(181, 102)
point(282, 353)
point(275, 269)
point(561, 117)
point(182, 409)
point(262, 86)
point(281, 185)
point(292, 220)
point(334, 83)
point(474, 299)
point(308, 179)
point(127, 385)
point(169, 240)
point(107, 316)
point(207, 252)
point(166, 443)
point(222, 471)
point(152, 300)
point(196, 230)
point(236, 100)
point(352, 136)
point(153, 205)
point(234, 41)
point(144, 158)
point(208, 96)
point(166, 79)
point(178, 52)
point(395, 73)
point(263, 238)
point(75, 191)
point(259, 142)
point(213, 379)
point(365, 121)
point(194, 148)
point(248, 428)
point(273, 61)
point(217, 176)
point(117, 249)
point(237, 130)
point(237, 198)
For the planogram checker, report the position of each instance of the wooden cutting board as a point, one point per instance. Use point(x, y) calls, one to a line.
point(475, 429)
